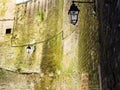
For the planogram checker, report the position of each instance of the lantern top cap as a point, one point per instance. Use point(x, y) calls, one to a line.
point(28, 47)
point(73, 1)
point(73, 7)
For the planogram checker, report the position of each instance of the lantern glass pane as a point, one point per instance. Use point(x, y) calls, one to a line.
point(74, 17)
point(28, 50)
point(73, 12)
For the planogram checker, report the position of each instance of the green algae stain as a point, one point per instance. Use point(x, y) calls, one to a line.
point(71, 30)
point(41, 15)
point(2, 75)
point(88, 37)
point(3, 8)
point(51, 56)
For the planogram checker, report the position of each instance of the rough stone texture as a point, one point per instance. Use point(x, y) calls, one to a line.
point(65, 57)
point(88, 45)
point(84, 82)
point(7, 9)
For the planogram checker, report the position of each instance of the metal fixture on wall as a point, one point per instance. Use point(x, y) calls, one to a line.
point(74, 11)
point(30, 49)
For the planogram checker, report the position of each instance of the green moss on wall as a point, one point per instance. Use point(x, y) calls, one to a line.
point(51, 56)
point(3, 8)
point(89, 46)
point(2, 75)
point(41, 15)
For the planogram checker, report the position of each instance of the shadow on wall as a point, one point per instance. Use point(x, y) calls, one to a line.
point(118, 5)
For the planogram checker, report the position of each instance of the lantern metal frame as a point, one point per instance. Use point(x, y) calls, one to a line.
point(30, 49)
point(74, 8)
point(73, 13)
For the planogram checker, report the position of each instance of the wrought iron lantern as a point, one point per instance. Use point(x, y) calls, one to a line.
point(28, 49)
point(73, 13)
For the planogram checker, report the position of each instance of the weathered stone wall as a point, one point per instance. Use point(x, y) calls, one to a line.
point(6, 22)
point(39, 24)
point(65, 57)
point(7, 9)
point(88, 47)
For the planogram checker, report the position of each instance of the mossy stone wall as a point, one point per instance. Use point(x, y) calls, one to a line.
point(88, 47)
point(65, 57)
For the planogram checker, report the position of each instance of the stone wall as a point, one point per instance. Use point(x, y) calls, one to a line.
point(88, 47)
point(62, 56)
point(6, 17)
